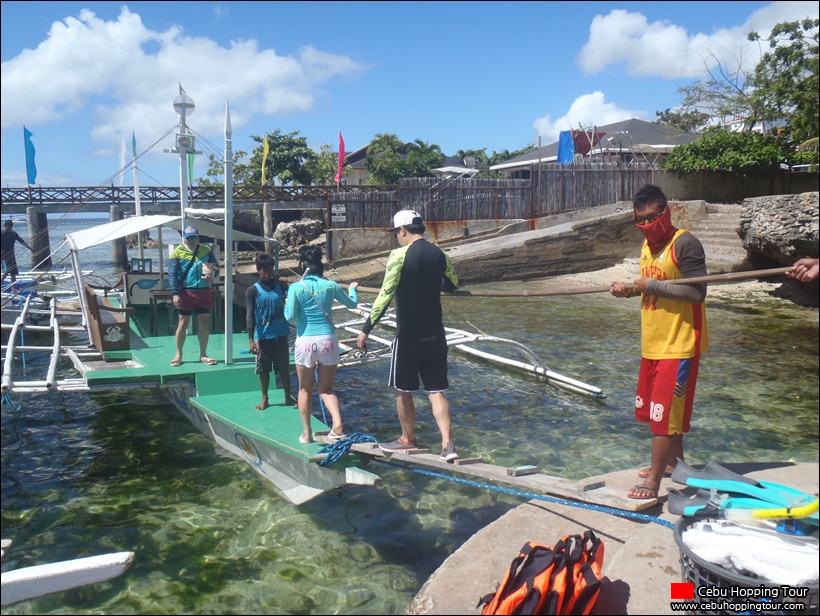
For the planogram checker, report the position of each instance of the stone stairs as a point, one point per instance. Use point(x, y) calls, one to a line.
point(718, 234)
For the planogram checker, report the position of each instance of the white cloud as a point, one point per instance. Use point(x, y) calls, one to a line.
point(663, 49)
point(586, 110)
point(129, 74)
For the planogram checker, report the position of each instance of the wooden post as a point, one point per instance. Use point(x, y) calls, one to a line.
point(267, 227)
point(119, 247)
point(38, 238)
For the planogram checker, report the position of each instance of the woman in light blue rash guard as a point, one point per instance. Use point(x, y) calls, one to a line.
point(309, 306)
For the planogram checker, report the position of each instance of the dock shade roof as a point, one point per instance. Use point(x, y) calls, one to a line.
point(455, 172)
point(86, 238)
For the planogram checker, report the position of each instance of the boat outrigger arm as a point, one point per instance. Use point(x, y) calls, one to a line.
point(460, 341)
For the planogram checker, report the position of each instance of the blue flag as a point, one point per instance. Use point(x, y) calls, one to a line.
point(566, 147)
point(31, 168)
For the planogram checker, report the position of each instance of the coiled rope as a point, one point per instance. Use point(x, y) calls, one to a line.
point(338, 449)
point(335, 451)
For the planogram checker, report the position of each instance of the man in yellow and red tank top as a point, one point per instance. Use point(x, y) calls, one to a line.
point(673, 332)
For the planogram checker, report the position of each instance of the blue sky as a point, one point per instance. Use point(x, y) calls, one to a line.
point(81, 75)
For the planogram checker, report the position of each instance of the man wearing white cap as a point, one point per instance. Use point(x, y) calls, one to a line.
point(191, 269)
point(416, 273)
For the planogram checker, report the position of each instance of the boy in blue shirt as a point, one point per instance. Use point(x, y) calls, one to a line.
point(268, 330)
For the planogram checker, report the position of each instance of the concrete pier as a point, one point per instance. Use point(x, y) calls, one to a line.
point(641, 559)
point(119, 247)
point(38, 237)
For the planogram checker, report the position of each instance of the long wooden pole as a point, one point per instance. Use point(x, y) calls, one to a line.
point(714, 278)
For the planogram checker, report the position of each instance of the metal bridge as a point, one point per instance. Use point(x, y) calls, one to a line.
point(165, 200)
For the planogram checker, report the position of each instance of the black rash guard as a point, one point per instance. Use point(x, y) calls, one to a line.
point(416, 274)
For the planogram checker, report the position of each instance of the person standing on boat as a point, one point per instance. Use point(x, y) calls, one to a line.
point(268, 329)
point(673, 332)
point(191, 270)
point(309, 306)
point(9, 238)
point(416, 273)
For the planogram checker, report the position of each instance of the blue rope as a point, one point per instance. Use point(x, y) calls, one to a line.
point(7, 400)
point(549, 499)
point(338, 449)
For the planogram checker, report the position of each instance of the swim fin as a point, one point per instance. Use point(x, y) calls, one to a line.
point(715, 506)
point(715, 476)
point(703, 504)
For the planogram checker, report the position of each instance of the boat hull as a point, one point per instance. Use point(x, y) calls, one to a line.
point(296, 477)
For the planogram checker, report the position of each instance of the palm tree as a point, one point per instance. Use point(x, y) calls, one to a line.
point(383, 160)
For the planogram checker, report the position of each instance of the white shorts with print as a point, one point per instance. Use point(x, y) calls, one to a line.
point(310, 350)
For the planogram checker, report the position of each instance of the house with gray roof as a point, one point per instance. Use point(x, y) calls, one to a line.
point(631, 142)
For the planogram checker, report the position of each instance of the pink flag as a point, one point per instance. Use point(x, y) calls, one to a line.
point(341, 158)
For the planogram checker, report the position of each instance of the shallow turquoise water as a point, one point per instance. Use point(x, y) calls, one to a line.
point(84, 476)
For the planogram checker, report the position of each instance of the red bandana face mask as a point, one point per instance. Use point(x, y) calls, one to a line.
point(659, 232)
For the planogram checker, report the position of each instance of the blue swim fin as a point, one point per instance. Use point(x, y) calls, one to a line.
point(740, 490)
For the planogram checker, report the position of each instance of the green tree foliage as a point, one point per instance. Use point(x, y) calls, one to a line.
point(496, 158)
point(689, 121)
point(288, 156)
point(383, 159)
point(781, 93)
point(481, 158)
point(421, 157)
point(215, 174)
point(722, 150)
point(324, 167)
point(784, 86)
point(388, 159)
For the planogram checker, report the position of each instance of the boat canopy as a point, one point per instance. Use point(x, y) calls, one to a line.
point(100, 234)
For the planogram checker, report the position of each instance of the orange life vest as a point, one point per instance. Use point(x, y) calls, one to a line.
point(563, 579)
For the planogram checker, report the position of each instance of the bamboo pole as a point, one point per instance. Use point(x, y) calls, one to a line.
point(714, 279)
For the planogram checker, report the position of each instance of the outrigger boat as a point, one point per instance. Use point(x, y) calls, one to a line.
point(125, 343)
point(460, 341)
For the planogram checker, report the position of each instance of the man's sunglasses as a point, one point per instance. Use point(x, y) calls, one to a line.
point(648, 219)
point(194, 238)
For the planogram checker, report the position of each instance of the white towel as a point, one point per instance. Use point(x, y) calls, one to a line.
point(742, 550)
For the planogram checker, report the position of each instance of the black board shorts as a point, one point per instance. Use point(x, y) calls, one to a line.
point(272, 352)
point(10, 265)
point(419, 357)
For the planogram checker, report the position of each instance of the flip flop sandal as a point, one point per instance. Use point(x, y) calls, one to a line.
point(176, 362)
point(209, 361)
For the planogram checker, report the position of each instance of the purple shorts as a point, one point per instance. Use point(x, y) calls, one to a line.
point(195, 300)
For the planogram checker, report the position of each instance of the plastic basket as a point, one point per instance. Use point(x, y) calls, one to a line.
point(702, 573)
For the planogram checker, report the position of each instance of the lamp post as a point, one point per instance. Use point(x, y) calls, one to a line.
point(184, 106)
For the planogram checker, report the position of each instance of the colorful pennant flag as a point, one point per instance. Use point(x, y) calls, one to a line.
point(31, 168)
point(341, 158)
point(265, 150)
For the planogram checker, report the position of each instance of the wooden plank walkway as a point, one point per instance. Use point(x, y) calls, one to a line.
point(591, 490)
